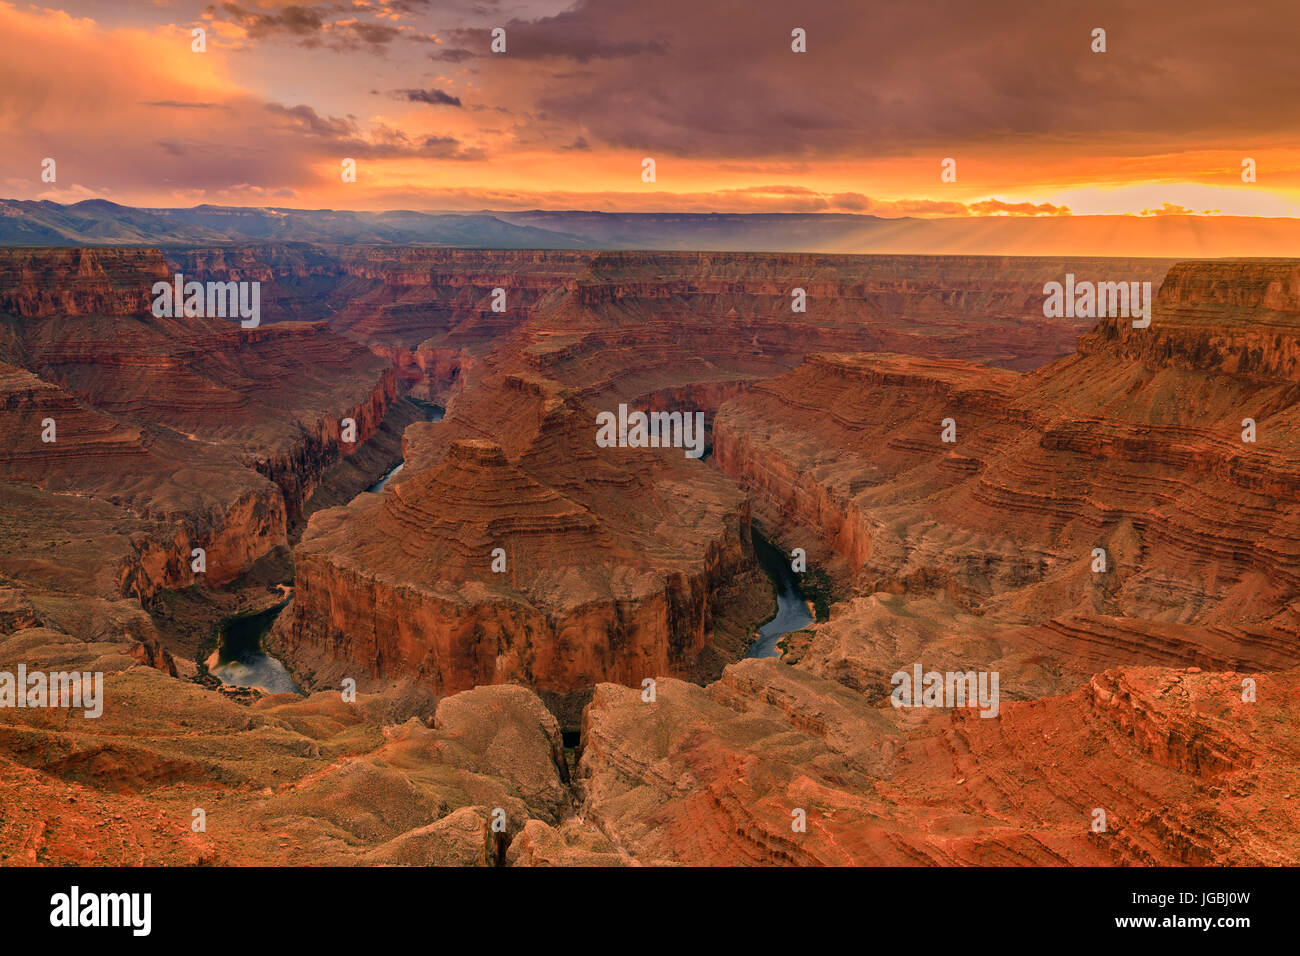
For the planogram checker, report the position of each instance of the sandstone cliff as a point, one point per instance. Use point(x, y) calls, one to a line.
point(609, 565)
point(168, 419)
point(403, 587)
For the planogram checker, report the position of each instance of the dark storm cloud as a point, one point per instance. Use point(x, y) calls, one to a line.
point(297, 21)
point(330, 25)
point(374, 34)
point(448, 147)
point(582, 34)
point(304, 119)
point(456, 55)
point(331, 136)
point(707, 79)
point(433, 97)
point(408, 6)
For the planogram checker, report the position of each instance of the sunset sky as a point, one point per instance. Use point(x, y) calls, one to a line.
point(1037, 122)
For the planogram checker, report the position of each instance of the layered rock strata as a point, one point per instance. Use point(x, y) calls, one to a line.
point(180, 433)
point(514, 548)
point(1158, 689)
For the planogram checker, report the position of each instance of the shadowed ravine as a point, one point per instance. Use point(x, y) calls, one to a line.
point(792, 607)
point(240, 660)
point(433, 413)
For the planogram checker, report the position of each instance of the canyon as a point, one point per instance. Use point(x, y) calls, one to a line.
point(544, 626)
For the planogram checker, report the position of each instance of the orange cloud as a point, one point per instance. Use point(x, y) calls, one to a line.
point(1039, 126)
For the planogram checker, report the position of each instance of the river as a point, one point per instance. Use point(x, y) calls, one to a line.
point(241, 661)
point(432, 413)
point(791, 606)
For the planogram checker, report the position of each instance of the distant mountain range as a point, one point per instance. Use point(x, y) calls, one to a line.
point(100, 222)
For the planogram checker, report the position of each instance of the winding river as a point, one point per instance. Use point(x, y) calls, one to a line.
point(792, 612)
point(240, 660)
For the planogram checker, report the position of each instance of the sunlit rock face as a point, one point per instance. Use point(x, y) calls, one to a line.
point(527, 554)
point(614, 557)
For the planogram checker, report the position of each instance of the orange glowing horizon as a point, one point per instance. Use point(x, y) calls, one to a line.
point(260, 103)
